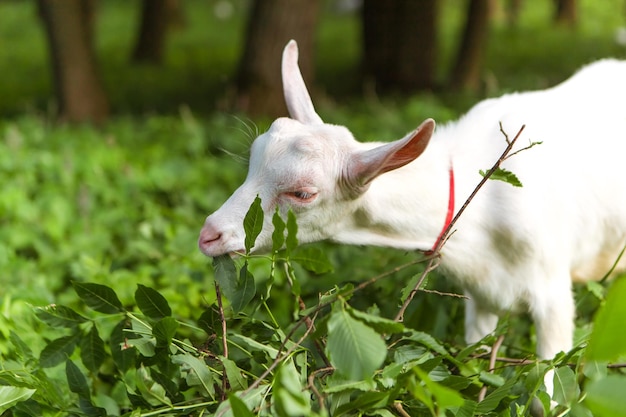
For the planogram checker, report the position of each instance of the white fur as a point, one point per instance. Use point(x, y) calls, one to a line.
point(514, 248)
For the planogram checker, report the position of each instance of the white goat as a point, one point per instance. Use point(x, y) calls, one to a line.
point(514, 248)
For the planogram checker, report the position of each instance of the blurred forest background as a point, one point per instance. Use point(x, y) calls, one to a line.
point(86, 59)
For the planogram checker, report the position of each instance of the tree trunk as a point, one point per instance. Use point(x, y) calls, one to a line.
point(271, 24)
point(400, 44)
point(565, 12)
point(156, 16)
point(69, 29)
point(466, 72)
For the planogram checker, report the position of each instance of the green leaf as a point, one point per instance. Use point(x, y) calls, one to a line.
point(467, 409)
point(595, 370)
point(608, 339)
point(444, 396)
point(278, 235)
point(312, 259)
point(251, 400)
point(59, 316)
point(606, 397)
point(253, 223)
point(578, 410)
point(10, 395)
point(22, 349)
point(29, 407)
point(566, 390)
point(410, 286)
point(150, 390)
point(535, 376)
point(201, 375)
point(145, 342)
point(76, 380)
point(164, 331)
point(457, 382)
point(58, 350)
point(234, 374)
point(89, 410)
point(152, 303)
point(146, 346)
point(380, 324)
point(123, 354)
point(597, 289)
point(493, 380)
point(492, 400)
point(209, 321)
point(503, 175)
point(428, 341)
point(292, 232)
point(289, 398)
point(381, 413)
point(244, 291)
point(355, 350)
point(253, 344)
point(92, 350)
point(225, 275)
point(336, 383)
point(296, 288)
point(367, 401)
point(238, 407)
point(98, 297)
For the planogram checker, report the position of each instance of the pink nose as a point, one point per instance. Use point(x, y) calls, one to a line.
point(208, 236)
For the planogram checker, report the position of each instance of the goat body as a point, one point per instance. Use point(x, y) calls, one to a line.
point(514, 248)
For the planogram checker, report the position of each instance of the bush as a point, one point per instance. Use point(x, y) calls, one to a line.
point(109, 309)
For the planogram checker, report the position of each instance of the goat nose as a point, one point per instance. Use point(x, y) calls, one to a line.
point(208, 235)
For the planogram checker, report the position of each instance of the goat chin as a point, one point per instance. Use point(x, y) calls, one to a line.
point(513, 247)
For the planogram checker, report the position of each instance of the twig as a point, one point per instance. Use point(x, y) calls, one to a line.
point(444, 236)
point(524, 361)
point(224, 340)
point(279, 358)
point(510, 361)
point(400, 409)
point(608, 274)
point(492, 364)
point(311, 380)
point(482, 182)
point(506, 137)
point(445, 294)
point(433, 263)
point(307, 319)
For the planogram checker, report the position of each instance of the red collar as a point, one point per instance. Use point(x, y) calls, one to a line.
point(449, 214)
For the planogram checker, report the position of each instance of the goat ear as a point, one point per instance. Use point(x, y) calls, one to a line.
point(297, 97)
point(367, 165)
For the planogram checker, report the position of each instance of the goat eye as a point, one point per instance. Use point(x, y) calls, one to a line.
point(303, 195)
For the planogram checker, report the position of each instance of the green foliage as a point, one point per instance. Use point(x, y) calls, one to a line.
point(133, 326)
point(501, 174)
point(356, 362)
point(355, 350)
point(605, 392)
point(108, 308)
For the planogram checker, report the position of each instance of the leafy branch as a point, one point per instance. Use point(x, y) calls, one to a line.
point(433, 259)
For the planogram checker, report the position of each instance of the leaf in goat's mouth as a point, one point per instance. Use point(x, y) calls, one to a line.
point(225, 274)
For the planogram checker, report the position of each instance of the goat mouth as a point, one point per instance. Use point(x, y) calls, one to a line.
point(234, 254)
